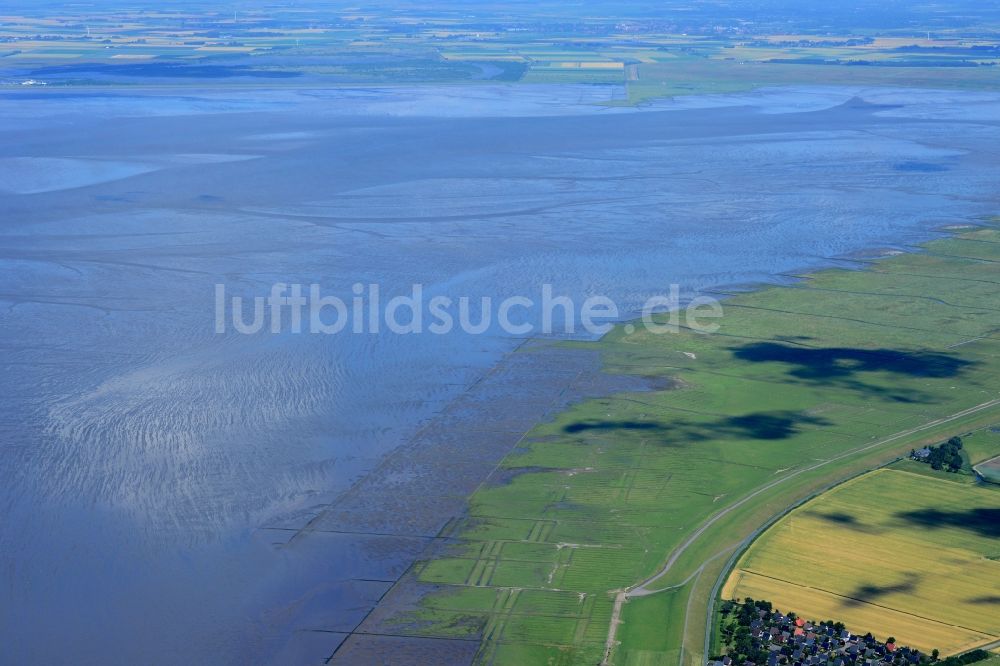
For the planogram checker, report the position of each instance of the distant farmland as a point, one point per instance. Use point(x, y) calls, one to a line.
point(893, 553)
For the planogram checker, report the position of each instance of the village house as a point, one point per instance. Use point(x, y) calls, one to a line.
point(782, 640)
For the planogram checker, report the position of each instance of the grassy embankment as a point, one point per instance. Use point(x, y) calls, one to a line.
point(806, 384)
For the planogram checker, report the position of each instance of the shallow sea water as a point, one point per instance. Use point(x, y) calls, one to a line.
point(172, 495)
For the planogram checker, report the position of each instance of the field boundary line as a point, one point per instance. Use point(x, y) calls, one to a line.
point(868, 603)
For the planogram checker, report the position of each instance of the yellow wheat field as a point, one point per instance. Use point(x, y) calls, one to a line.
point(892, 553)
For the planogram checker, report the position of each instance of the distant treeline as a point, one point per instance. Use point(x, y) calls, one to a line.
point(967, 658)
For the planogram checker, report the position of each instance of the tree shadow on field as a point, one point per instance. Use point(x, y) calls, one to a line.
point(845, 520)
point(843, 365)
point(869, 592)
point(581, 426)
point(988, 600)
point(759, 425)
point(767, 425)
point(832, 362)
point(980, 521)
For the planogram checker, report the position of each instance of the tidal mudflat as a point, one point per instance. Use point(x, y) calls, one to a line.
point(174, 495)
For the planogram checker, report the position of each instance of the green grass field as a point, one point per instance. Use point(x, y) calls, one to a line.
point(982, 445)
point(890, 552)
point(800, 386)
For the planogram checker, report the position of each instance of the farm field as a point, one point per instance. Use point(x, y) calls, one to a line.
point(804, 385)
point(302, 46)
point(890, 553)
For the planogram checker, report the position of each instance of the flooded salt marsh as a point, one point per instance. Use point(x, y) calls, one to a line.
point(170, 494)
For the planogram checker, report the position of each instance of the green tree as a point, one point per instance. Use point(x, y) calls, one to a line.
point(743, 642)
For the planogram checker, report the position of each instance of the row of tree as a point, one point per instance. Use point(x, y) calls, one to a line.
point(964, 659)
